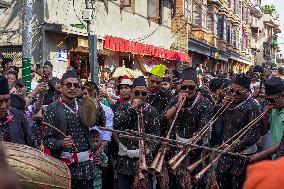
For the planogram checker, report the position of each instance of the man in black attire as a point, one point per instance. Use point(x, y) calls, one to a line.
point(64, 115)
point(50, 82)
point(126, 117)
point(193, 116)
point(13, 124)
point(241, 111)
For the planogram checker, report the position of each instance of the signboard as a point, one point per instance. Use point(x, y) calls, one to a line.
point(62, 55)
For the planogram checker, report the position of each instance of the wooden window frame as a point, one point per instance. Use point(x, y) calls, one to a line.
point(188, 9)
point(200, 5)
point(129, 7)
point(157, 17)
point(212, 14)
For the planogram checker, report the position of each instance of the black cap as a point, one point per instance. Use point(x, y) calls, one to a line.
point(189, 74)
point(273, 86)
point(167, 79)
point(17, 102)
point(140, 81)
point(48, 63)
point(21, 82)
point(219, 83)
point(242, 80)
point(69, 74)
point(4, 87)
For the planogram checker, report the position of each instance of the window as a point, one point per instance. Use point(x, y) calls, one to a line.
point(125, 3)
point(228, 34)
point(199, 13)
point(126, 61)
point(196, 15)
point(220, 27)
point(229, 3)
point(153, 10)
point(210, 20)
point(187, 9)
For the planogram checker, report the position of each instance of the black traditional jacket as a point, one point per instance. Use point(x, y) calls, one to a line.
point(234, 119)
point(127, 118)
point(16, 130)
point(66, 119)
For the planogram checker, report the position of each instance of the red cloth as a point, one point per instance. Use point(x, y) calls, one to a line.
point(265, 175)
point(123, 45)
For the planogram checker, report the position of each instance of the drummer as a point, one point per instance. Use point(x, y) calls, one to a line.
point(75, 149)
point(13, 124)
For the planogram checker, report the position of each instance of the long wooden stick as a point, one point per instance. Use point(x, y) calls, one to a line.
point(55, 129)
point(170, 142)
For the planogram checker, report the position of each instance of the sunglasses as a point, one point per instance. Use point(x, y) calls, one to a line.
point(185, 87)
point(138, 93)
point(237, 91)
point(70, 85)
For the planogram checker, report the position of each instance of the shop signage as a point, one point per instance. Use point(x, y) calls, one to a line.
point(123, 45)
point(62, 55)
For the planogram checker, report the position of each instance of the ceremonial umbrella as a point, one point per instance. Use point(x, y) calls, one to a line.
point(121, 71)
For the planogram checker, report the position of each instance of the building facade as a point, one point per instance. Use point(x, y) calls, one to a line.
point(220, 34)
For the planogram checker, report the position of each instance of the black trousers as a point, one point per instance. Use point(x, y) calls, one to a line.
point(82, 184)
point(228, 181)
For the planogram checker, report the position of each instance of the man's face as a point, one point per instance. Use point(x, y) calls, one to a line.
point(11, 79)
point(125, 91)
point(275, 72)
point(166, 85)
point(21, 90)
point(4, 105)
point(70, 88)
point(47, 70)
point(140, 92)
point(189, 87)
point(96, 142)
point(154, 83)
point(238, 93)
point(266, 72)
point(276, 101)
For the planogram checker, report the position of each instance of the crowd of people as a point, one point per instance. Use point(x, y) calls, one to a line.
point(150, 131)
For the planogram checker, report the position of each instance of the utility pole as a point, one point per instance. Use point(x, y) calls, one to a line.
point(27, 42)
point(92, 41)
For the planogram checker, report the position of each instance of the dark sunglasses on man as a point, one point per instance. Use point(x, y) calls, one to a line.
point(189, 87)
point(139, 93)
point(237, 91)
point(70, 85)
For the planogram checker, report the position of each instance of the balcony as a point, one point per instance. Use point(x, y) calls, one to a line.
point(254, 25)
point(255, 10)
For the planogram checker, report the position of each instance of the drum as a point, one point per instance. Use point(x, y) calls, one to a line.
point(35, 169)
point(88, 113)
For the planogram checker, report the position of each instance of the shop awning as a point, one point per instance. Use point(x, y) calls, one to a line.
point(123, 45)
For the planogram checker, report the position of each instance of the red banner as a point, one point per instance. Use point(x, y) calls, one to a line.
point(123, 45)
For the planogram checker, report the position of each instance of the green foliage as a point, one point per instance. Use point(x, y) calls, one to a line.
point(268, 9)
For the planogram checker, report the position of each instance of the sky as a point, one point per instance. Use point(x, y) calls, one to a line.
point(279, 5)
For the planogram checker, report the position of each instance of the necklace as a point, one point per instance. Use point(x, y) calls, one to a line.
point(240, 104)
point(194, 102)
point(76, 106)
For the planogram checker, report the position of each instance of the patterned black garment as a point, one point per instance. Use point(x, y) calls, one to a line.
point(234, 119)
point(194, 115)
point(126, 118)
point(74, 128)
point(16, 130)
point(160, 101)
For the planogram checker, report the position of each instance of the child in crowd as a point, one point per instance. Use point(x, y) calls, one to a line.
point(101, 159)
